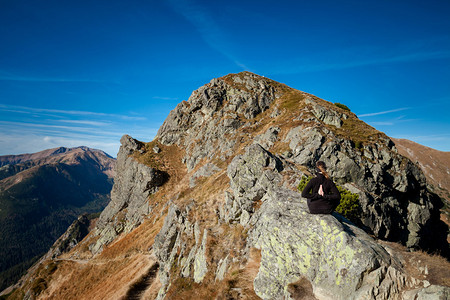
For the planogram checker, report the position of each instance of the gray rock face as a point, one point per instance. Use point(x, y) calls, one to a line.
point(327, 116)
point(73, 235)
point(340, 260)
point(394, 199)
point(212, 113)
point(171, 249)
point(395, 202)
point(129, 205)
point(251, 176)
point(205, 171)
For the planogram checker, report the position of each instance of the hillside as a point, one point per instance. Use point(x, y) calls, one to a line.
point(41, 194)
point(210, 209)
point(434, 164)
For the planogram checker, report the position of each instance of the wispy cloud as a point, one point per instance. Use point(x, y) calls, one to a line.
point(30, 129)
point(85, 122)
point(382, 123)
point(29, 110)
point(164, 98)
point(7, 76)
point(359, 56)
point(383, 112)
point(208, 28)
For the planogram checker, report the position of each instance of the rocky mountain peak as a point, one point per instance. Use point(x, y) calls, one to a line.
point(212, 203)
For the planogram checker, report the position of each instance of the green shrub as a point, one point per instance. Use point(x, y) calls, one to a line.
point(349, 206)
point(343, 106)
point(303, 182)
point(358, 145)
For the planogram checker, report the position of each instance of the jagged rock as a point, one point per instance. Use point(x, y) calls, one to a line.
point(73, 235)
point(168, 244)
point(340, 260)
point(327, 116)
point(251, 176)
point(222, 268)
point(165, 239)
point(267, 139)
point(129, 205)
point(432, 292)
point(156, 149)
point(204, 117)
point(200, 265)
point(395, 202)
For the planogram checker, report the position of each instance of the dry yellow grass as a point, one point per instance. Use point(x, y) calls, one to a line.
point(102, 279)
point(422, 265)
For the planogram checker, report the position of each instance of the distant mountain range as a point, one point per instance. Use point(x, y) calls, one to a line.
point(41, 194)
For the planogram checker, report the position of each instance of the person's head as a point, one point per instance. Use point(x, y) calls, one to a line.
point(322, 167)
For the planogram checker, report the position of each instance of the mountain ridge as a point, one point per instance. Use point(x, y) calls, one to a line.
point(41, 194)
point(212, 204)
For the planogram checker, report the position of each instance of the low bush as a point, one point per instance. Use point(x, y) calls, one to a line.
point(343, 106)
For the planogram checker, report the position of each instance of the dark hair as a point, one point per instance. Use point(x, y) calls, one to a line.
point(322, 168)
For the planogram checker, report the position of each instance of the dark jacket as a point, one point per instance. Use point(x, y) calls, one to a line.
point(318, 204)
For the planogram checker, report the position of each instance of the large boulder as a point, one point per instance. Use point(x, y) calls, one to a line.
point(338, 259)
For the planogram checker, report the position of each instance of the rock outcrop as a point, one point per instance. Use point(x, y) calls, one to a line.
point(133, 183)
point(225, 220)
point(395, 202)
point(339, 259)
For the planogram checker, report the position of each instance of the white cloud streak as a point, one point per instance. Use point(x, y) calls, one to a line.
point(33, 110)
point(6, 76)
point(355, 57)
point(382, 112)
point(28, 129)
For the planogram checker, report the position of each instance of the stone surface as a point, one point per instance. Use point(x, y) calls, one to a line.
point(395, 202)
point(205, 171)
point(205, 118)
point(129, 205)
point(340, 260)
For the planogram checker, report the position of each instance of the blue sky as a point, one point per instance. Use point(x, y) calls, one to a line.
point(81, 72)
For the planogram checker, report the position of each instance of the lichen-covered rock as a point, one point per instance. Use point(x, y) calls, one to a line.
point(395, 202)
point(171, 250)
point(340, 260)
point(200, 265)
point(251, 176)
point(327, 116)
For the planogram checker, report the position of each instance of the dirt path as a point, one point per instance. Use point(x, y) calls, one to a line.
point(137, 289)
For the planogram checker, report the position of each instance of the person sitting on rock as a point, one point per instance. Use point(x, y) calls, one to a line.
point(321, 192)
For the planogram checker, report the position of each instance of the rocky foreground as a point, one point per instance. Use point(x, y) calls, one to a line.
point(210, 208)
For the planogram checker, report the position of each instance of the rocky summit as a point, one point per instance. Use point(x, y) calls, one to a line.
point(210, 209)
